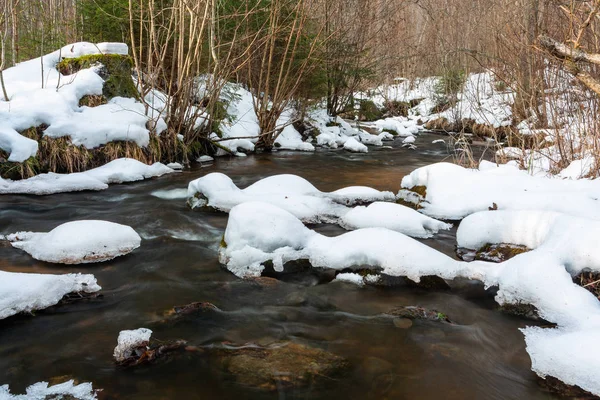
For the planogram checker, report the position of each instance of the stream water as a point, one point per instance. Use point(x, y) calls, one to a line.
point(481, 356)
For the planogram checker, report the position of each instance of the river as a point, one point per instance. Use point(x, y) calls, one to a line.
point(481, 356)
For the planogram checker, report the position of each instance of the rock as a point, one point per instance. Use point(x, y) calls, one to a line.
point(564, 390)
point(492, 252)
point(133, 348)
point(285, 365)
point(264, 282)
point(521, 310)
point(402, 323)
point(429, 282)
point(412, 313)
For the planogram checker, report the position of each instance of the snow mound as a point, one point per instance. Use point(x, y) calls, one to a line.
point(453, 192)
point(129, 341)
point(29, 292)
point(78, 242)
point(43, 391)
point(260, 232)
point(289, 192)
point(355, 146)
point(563, 246)
point(394, 217)
point(350, 277)
point(117, 171)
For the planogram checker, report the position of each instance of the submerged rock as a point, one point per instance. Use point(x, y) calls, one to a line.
point(564, 390)
point(412, 313)
point(283, 366)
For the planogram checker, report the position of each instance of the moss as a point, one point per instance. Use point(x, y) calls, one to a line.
point(223, 242)
point(391, 132)
point(369, 111)
point(116, 72)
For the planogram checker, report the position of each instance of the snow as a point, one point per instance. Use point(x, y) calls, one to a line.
point(454, 192)
point(205, 159)
point(43, 391)
point(21, 292)
point(128, 341)
point(289, 192)
point(409, 140)
point(55, 103)
point(260, 232)
point(395, 217)
point(78, 242)
point(173, 194)
point(117, 171)
point(175, 166)
point(350, 277)
point(354, 146)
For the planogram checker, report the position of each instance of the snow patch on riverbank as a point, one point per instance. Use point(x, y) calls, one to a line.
point(122, 170)
point(43, 391)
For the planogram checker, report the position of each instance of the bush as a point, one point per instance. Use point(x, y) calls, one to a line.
point(368, 111)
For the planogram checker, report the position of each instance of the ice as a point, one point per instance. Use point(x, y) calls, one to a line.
point(394, 217)
point(290, 192)
point(129, 341)
point(78, 242)
point(43, 391)
point(21, 292)
point(117, 171)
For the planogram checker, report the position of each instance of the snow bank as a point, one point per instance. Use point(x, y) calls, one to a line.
point(129, 341)
point(260, 232)
point(394, 217)
point(78, 242)
point(43, 391)
point(29, 292)
point(289, 192)
point(453, 192)
point(118, 171)
point(563, 246)
point(55, 103)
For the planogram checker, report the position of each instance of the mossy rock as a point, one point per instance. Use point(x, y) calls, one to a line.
point(116, 72)
point(521, 310)
point(283, 366)
point(92, 100)
point(413, 313)
point(369, 111)
point(500, 252)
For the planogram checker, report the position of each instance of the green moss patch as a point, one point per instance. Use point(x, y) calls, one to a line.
point(116, 72)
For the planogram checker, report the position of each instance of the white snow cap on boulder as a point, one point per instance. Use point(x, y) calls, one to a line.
point(78, 242)
point(355, 146)
point(260, 232)
point(129, 341)
point(395, 217)
point(289, 192)
point(29, 292)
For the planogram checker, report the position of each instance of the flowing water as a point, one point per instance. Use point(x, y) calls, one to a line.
point(481, 356)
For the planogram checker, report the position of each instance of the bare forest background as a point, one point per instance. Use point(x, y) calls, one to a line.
point(294, 51)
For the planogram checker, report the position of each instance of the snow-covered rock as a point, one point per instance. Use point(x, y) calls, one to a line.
point(118, 171)
point(289, 192)
point(355, 146)
point(260, 232)
point(29, 292)
point(43, 391)
point(453, 192)
point(563, 246)
point(129, 341)
point(395, 217)
point(78, 242)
